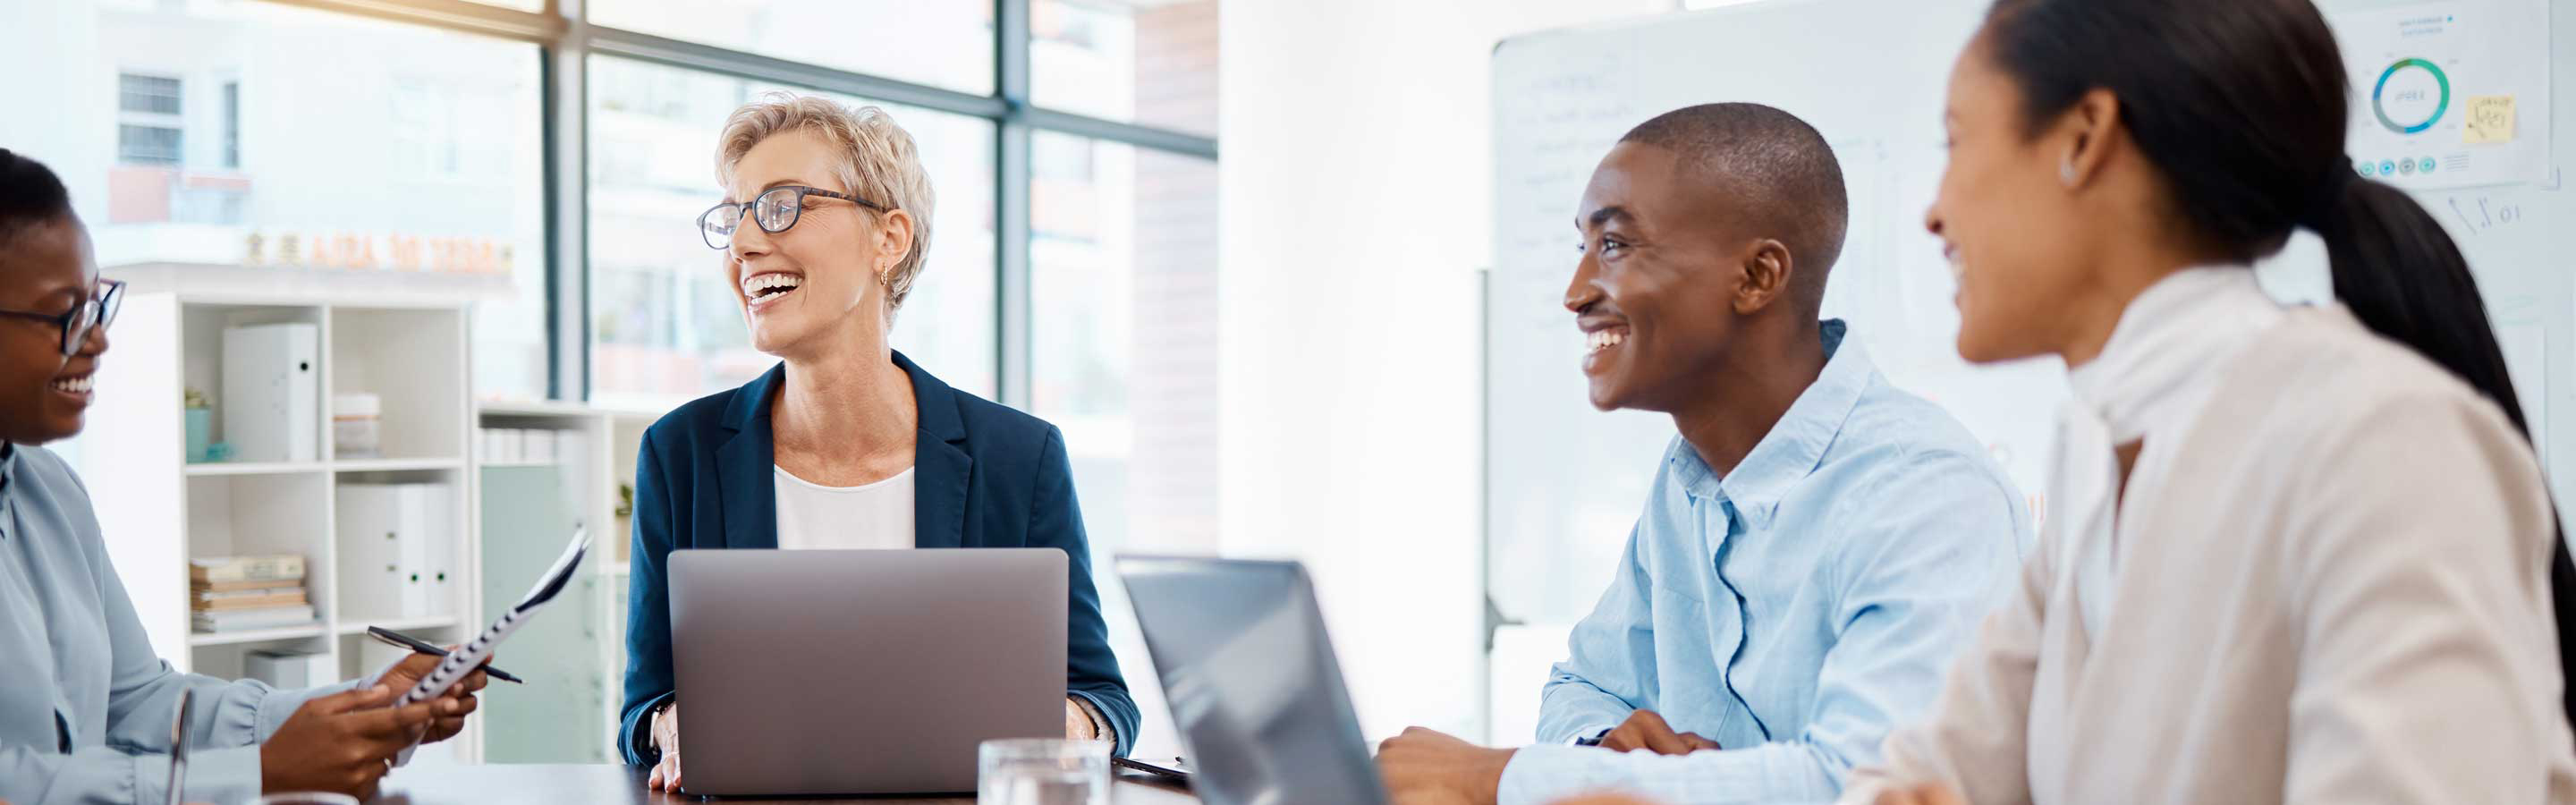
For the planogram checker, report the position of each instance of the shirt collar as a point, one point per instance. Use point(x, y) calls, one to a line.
point(2166, 340)
point(1795, 445)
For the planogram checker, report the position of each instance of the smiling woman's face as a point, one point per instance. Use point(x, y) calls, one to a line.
point(2005, 220)
point(801, 287)
point(46, 267)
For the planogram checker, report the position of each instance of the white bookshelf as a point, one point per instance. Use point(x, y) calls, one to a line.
point(159, 511)
point(252, 467)
point(279, 635)
point(396, 464)
point(582, 664)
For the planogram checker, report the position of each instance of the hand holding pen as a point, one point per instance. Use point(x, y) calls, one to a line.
point(453, 706)
point(400, 640)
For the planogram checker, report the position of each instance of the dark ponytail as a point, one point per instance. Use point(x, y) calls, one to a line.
point(2241, 105)
point(2402, 276)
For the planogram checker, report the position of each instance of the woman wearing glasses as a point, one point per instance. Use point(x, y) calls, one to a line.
point(846, 443)
point(86, 708)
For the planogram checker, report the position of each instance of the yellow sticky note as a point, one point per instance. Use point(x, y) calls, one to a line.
point(2490, 120)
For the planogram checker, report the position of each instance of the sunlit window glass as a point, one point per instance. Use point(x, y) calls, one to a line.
point(231, 141)
point(1134, 61)
point(942, 43)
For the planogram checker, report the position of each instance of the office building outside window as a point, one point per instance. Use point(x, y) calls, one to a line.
point(942, 43)
point(1146, 62)
point(224, 131)
point(148, 122)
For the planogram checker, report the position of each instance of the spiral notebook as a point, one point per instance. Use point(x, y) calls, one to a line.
point(464, 660)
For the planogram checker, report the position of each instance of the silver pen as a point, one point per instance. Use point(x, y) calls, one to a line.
point(179, 745)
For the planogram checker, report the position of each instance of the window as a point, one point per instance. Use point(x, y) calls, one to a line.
point(335, 173)
point(1151, 62)
point(666, 328)
point(147, 145)
point(232, 124)
point(1124, 291)
point(148, 123)
point(942, 43)
point(1064, 160)
point(436, 135)
point(147, 94)
point(1123, 327)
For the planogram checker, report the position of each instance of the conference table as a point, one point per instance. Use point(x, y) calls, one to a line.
point(542, 784)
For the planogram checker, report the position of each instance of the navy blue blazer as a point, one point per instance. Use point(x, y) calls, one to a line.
point(984, 476)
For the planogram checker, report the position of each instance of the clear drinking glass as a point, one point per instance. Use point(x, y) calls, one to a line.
point(1042, 771)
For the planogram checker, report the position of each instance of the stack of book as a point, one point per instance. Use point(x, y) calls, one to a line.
point(241, 593)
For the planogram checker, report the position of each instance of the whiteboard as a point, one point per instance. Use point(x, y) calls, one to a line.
point(1564, 483)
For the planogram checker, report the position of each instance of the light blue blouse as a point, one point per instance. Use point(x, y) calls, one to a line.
point(85, 705)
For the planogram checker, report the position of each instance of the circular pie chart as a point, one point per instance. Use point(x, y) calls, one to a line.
point(2411, 96)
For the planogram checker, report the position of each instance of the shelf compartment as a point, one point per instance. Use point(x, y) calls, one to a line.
point(279, 634)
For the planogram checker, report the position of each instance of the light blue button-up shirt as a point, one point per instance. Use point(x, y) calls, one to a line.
point(85, 705)
point(1794, 610)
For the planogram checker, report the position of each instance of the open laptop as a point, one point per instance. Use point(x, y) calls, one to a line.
point(1252, 681)
point(862, 672)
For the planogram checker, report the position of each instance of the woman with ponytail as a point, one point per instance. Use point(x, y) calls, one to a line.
point(2293, 554)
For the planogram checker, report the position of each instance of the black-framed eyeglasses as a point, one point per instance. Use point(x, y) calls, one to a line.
point(92, 313)
point(775, 210)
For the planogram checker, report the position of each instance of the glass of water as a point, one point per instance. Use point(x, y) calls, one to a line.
point(1042, 771)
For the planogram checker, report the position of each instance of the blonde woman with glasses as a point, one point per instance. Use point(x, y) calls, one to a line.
point(846, 443)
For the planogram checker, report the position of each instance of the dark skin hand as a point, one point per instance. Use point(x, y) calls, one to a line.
point(452, 707)
point(1428, 767)
point(1645, 729)
point(342, 743)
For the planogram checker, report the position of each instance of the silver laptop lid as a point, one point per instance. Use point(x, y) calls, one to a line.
point(1252, 681)
point(862, 672)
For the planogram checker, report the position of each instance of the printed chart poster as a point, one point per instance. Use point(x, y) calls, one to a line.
point(2452, 94)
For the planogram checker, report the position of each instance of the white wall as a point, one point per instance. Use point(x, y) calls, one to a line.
point(1355, 212)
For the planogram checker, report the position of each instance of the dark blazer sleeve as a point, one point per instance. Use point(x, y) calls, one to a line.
point(1091, 671)
point(648, 610)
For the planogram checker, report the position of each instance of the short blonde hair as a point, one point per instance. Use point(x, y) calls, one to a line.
point(878, 162)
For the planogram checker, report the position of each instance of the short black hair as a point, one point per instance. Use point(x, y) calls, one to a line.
point(30, 194)
point(1779, 162)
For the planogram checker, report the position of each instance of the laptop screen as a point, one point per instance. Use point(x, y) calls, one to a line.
point(1252, 681)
